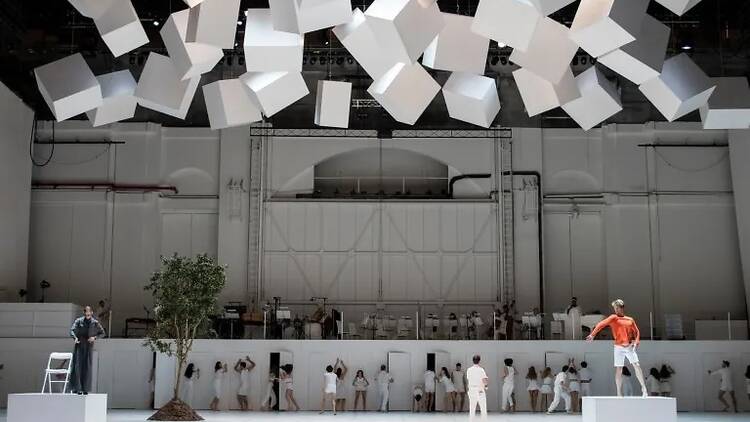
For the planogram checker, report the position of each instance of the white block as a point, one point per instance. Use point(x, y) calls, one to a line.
point(303, 16)
point(228, 104)
point(548, 7)
point(214, 22)
point(35, 407)
point(599, 99)
point(274, 91)
point(642, 59)
point(601, 26)
point(511, 22)
point(628, 409)
point(190, 59)
point(540, 95)
point(91, 8)
point(68, 86)
point(471, 98)
point(405, 91)
point(550, 51)
point(332, 104)
point(681, 88)
point(120, 28)
point(269, 50)
point(678, 7)
point(118, 92)
point(457, 48)
point(193, 3)
point(404, 28)
point(161, 88)
point(359, 40)
point(729, 105)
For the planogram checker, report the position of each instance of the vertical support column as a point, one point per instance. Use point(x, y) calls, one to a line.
point(739, 156)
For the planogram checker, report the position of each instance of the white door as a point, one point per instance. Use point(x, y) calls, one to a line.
point(399, 366)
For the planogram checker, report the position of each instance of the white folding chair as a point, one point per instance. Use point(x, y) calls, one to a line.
point(51, 372)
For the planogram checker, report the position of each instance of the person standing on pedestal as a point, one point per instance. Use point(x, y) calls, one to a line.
point(85, 331)
point(573, 324)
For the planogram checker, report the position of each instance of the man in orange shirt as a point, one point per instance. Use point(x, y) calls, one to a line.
point(627, 339)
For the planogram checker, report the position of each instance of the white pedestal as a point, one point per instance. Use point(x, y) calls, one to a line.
point(628, 409)
point(35, 407)
point(37, 319)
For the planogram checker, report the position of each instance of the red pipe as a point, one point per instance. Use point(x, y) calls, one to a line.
point(117, 187)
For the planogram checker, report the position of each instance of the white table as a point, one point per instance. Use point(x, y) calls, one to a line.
point(49, 320)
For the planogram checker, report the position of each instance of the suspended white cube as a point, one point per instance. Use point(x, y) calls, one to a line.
point(729, 105)
point(540, 95)
point(274, 91)
point(681, 87)
point(457, 48)
point(511, 22)
point(359, 40)
point(214, 22)
point(405, 91)
point(550, 51)
point(161, 87)
point(68, 86)
point(601, 26)
point(190, 59)
point(332, 104)
point(548, 7)
point(678, 7)
point(193, 3)
point(228, 104)
point(642, 59)
point(269, 50)
point(599, 99)
point(303, 16)
point(91, 8)
point(120, 28)
point(119, 102)
point(471, 98)
point(404, 28)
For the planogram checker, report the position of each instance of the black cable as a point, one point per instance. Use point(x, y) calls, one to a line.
point(31, 143)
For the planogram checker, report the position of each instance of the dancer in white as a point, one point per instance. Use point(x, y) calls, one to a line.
point(384, 380)
point(726, 387)
point(450, 390)
point(561, 391)
point(417, 393)
point(220, 369)
point(477, 382)
point(342, 392)
point(287, 379)
point(191, 373)
point(360, 385)
point(665, 377)
point(546, 389)
point(429, 390)
point(574, 387)
point(329, 389)
point(269, 400)
point(573, 324)
point(243, 368)
point(509, 373)
point(533, 387)
point(459, 381)
point(585, 376)
point(653, 383)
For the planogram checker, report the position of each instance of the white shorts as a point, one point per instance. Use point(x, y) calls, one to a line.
point(622, 352)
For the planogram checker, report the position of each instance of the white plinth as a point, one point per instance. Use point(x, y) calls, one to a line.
point(35, 407)
point(37, 319)
point(629, 409)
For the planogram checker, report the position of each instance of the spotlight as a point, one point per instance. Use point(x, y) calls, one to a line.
point(156, 23)
point(339, 61)
point(584, 60)
point(494, 60)
point(313, 60)
point(304, 60)
point(350, 60)
point(241, 61)
point(501, 45)
point(686, 47)
point(504, 60)
point(239, 23)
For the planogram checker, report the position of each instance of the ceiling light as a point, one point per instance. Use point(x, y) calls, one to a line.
point(686, 47)
point(239, 23)
point(501, 45)
point(156, 23)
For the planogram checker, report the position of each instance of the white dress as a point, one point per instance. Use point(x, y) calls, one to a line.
point(533, 384)
point(653, 385)
point(341, 391)
point(244, 389)
point(665, 386)
point(546, 385)
point(288, 382)
point(574, 384)
point(458, 381)
point(218, 381)
point(448, 384)
point(429, 382)
point(330, 381)
point(360, 384)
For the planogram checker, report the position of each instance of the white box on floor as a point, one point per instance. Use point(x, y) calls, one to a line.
point(120, 28)
point(274, 91)
point(601, 26)
point(540, 95)
point(160, 87)
point(91, 8)
point(629, 409)
point(303, 16)
point(118, 93)
point(332, 103)
point(214, 22)
point(405, 91)
point(36, 407)
point(548, 7)
point(269, 50)
point(642, 59)
point(550, 51)
point(457, 48)
point(359, 40)
point(68, 86)
point(228, 104)
point(599, 99)
point(678, 7)
point(471, 98)
point(190, 59)
point(729, 105)
point(511, 22)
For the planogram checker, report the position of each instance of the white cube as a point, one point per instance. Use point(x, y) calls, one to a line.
point(36, 407)
point(457, 48)
point(332, 104)
point(228, 104)
point(729, 105)
point(274, 91)
point(550, 51)
point(601, 26)
point(678, 7)
point(681, 88)
point(214, 22)
point(511, 22)
point(269, 50)
point(540, 95)
point(471, 98)
point(405, 91)
point(193, 3)
point(548, 7)
point(120, 28)
point(599, 99)
point(91, 8)
point(161, 87)
point(118, 92)
point(190, 59)
point(68, 86)
point(642, 59)
point(403, 27)
point(303, 16)
point(625, 409)
point(360, 41)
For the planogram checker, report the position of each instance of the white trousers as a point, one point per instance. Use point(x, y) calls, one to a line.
point(383, 394)
point(270, 399)
point(480, 398)
point(560, 393)
point(507, 399)
point(585, 389)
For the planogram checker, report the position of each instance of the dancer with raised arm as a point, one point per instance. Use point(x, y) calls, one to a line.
point(627, 339)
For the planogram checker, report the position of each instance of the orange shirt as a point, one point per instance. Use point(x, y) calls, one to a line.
point(624, 329)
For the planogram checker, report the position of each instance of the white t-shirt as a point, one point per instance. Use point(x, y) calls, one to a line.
point(560, 379)
point(474, 376)
point(726, 379)
point(510, 378)
point(429, 381)
point(585, 374)
point(383, 378)
point(330, 379)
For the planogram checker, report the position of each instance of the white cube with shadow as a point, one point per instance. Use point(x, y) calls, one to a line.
point(68, 86)
point(629, 409)
point(511, 22)
point(550, 51)
point(599, 99)
point(303, 16)
point(120, 28)
point(405, 91)
point(161, 88)
point(269, 50)
point(228, 104)
point(678, 7)
point(729, 105)
point(358, 38)
point(193, 3)
point(274, 91)
point(119, 102)
point(548, 7)
point(471, 98)
point(190, 59)
point(332, 104)
point(642, 59)
point(91, 8)
point(601, 26)
point(36, 407)
point(457, 48)
point(540, 95)
point(214, 22)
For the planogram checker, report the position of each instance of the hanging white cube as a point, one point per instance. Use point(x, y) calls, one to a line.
point(642, 59)
point(190, 59)
point(457, 48)
point(193, 3)
point(405, 91)
point(729, 105)
point(91, 8)
point(510, 22)
point(228, 104)
point(360, 42)
point(599, 99)
point(269, 50)
point(548, 7)
point(540, 95)
point(332, 104)
point(404, 28)
point(550, 51)
point(678, 7)
point(303, 16)
point(471, 98)
point(274, 91)
point(161, 87)
point(68, 86)
point(120, 28)
point(214, 22)
point(118, 93)
point(601, 26)
point(681, 87)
